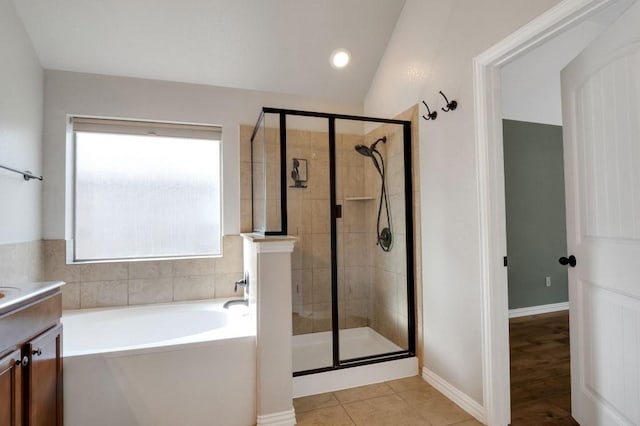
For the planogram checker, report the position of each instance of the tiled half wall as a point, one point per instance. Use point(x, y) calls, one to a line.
point(141, 282)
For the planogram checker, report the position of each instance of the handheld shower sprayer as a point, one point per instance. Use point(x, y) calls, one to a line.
point(385, 237)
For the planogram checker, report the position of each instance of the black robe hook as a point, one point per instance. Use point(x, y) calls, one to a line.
point(451, 106)
point(432, 115)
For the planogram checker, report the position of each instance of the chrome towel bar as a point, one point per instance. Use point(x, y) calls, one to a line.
point(27, 175)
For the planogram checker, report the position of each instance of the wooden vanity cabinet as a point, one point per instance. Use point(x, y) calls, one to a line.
point(31, 367)
point(43, 384)
point(11, 389)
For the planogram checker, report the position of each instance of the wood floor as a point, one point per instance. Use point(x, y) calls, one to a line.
point(540, 370)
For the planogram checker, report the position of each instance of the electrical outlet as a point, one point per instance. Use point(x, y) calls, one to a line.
point(548, 281)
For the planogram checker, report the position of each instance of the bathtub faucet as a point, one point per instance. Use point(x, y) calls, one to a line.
point(244, 283)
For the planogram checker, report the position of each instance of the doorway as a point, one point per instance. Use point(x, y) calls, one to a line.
point(536, 227)
point(490, 165)
point(537, 283)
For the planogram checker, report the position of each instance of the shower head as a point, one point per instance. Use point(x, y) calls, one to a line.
point(364, 150)
point(368, 151)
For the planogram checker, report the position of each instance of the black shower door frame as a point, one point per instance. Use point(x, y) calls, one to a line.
point(408, 185)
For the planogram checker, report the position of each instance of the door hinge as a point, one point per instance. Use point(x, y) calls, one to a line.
point(504, 260)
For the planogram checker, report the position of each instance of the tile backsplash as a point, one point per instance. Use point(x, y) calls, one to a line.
point(92, 285)
point(21, 262)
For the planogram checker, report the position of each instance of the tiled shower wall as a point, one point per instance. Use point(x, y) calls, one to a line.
point(308, 214)
point(266, 166)
point(308, 219)
point(92, 285)
point(389, 314)
point(355, 248)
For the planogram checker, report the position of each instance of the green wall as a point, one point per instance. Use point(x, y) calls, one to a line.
point(536, 224)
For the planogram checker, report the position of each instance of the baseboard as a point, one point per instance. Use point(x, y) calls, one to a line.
point(460, 398)
point(537, 310)
point(283, 418)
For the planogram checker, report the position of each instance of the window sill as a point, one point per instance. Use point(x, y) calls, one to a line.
point(142, 259)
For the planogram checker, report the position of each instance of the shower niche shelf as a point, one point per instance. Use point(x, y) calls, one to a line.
point(359, 198)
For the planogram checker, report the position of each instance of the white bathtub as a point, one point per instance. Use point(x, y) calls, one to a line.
point(187, 363)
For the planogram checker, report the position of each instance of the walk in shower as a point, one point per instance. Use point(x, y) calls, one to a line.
point(342, 185)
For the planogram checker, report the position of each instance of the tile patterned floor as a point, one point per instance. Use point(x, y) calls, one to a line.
point(404, 402)
point(540, 370)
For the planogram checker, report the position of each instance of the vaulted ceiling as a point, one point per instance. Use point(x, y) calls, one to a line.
point(273, 45)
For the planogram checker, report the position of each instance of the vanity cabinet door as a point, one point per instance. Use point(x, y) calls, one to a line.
point(11, 389)
point(44, 379)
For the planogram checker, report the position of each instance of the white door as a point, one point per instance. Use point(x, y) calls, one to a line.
point(601, 114)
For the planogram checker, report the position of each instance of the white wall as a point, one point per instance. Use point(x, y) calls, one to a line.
point(432, 49)
point(68, 93)
point(20, 130)
point(531, 83)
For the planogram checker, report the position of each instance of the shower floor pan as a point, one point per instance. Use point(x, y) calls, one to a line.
point(314, 350)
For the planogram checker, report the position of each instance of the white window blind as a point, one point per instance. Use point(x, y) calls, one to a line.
point(146, 190)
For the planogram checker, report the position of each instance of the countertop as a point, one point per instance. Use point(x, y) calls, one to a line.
point(259, 238)
point(18, 293)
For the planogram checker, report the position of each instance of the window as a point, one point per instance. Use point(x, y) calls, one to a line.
point(145, 190)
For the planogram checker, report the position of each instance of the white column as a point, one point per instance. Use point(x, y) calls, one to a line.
point(268, 260)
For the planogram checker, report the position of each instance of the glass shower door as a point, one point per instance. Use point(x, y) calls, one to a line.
point(371, 245)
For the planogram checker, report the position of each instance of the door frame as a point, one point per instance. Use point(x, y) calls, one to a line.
point(491, 197)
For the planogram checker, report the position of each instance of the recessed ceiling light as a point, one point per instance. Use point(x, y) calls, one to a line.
point(340, 58)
